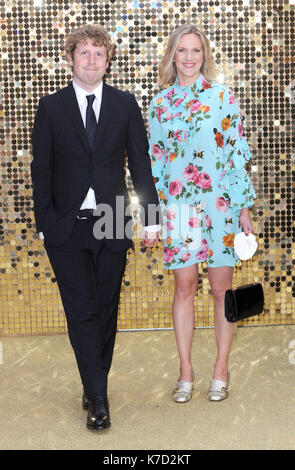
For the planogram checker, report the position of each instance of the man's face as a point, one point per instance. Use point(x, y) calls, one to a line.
point(89, 64)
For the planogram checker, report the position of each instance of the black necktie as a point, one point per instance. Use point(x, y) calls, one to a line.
point(90, 120)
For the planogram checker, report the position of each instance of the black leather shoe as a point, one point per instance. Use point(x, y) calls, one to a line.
point(98, 413)
point(85, 402)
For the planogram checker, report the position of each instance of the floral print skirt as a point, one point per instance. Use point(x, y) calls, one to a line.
point(199, 233)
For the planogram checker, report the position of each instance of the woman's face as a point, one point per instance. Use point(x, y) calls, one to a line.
point(188, 58)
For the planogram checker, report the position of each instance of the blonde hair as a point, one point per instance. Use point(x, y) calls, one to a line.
point(98, 35)
point(167, 70)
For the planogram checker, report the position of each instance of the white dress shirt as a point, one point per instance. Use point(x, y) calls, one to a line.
point(89, 201)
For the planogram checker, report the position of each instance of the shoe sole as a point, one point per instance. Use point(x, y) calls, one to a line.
point(217, 399)
point(98, 428)
point(181, 401)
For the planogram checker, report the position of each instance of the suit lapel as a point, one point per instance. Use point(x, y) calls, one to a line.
point(71, 104)
point(105, 112)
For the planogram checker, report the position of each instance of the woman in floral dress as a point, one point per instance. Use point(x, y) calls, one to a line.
point(198, 155)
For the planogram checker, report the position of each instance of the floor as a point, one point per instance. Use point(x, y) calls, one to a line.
point(40, 394)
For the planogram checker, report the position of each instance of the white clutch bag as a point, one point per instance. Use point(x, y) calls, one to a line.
point(245, 245)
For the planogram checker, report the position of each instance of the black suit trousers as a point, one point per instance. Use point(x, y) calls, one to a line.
point(89, 277)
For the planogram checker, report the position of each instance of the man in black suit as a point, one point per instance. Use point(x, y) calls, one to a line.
point(80, 137)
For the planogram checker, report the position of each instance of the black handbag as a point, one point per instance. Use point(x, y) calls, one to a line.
point(243, 302)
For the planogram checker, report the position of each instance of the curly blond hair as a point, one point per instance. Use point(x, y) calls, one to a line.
point(96, 33)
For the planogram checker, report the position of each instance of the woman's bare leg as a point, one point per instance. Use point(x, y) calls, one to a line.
point(220, 280)
point(185, 286)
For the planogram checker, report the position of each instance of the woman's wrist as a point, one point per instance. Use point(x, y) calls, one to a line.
point(245, 210)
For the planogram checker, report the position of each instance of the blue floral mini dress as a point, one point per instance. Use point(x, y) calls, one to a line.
point(198, 155)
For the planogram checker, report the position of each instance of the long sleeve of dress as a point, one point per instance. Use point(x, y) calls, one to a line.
point(235, 178)
point(157, 149)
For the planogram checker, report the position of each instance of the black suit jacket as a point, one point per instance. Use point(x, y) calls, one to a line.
point(64, 166)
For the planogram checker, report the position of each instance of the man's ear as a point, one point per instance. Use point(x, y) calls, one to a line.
point(70, 59)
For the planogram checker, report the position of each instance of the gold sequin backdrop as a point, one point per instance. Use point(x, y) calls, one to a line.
point(253, 45)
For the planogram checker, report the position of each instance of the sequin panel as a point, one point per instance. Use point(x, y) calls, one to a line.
point(253, 46)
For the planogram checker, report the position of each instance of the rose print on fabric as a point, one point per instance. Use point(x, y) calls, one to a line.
point(157, 152)
point(204, 181)
point(190, 173)
point(169, 226)
point(168, 255)
point(240, 129)
point(160, 109)
point(194, 222)
point(175, 187)
point(185, 256)
point(171, 214)
point(203, 252)
point(193, 106)
point(221, 204)
point(205, 84)
point(208, 225)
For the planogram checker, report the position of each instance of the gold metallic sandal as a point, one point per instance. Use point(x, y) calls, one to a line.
point(218, 390)
point(183, 391)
